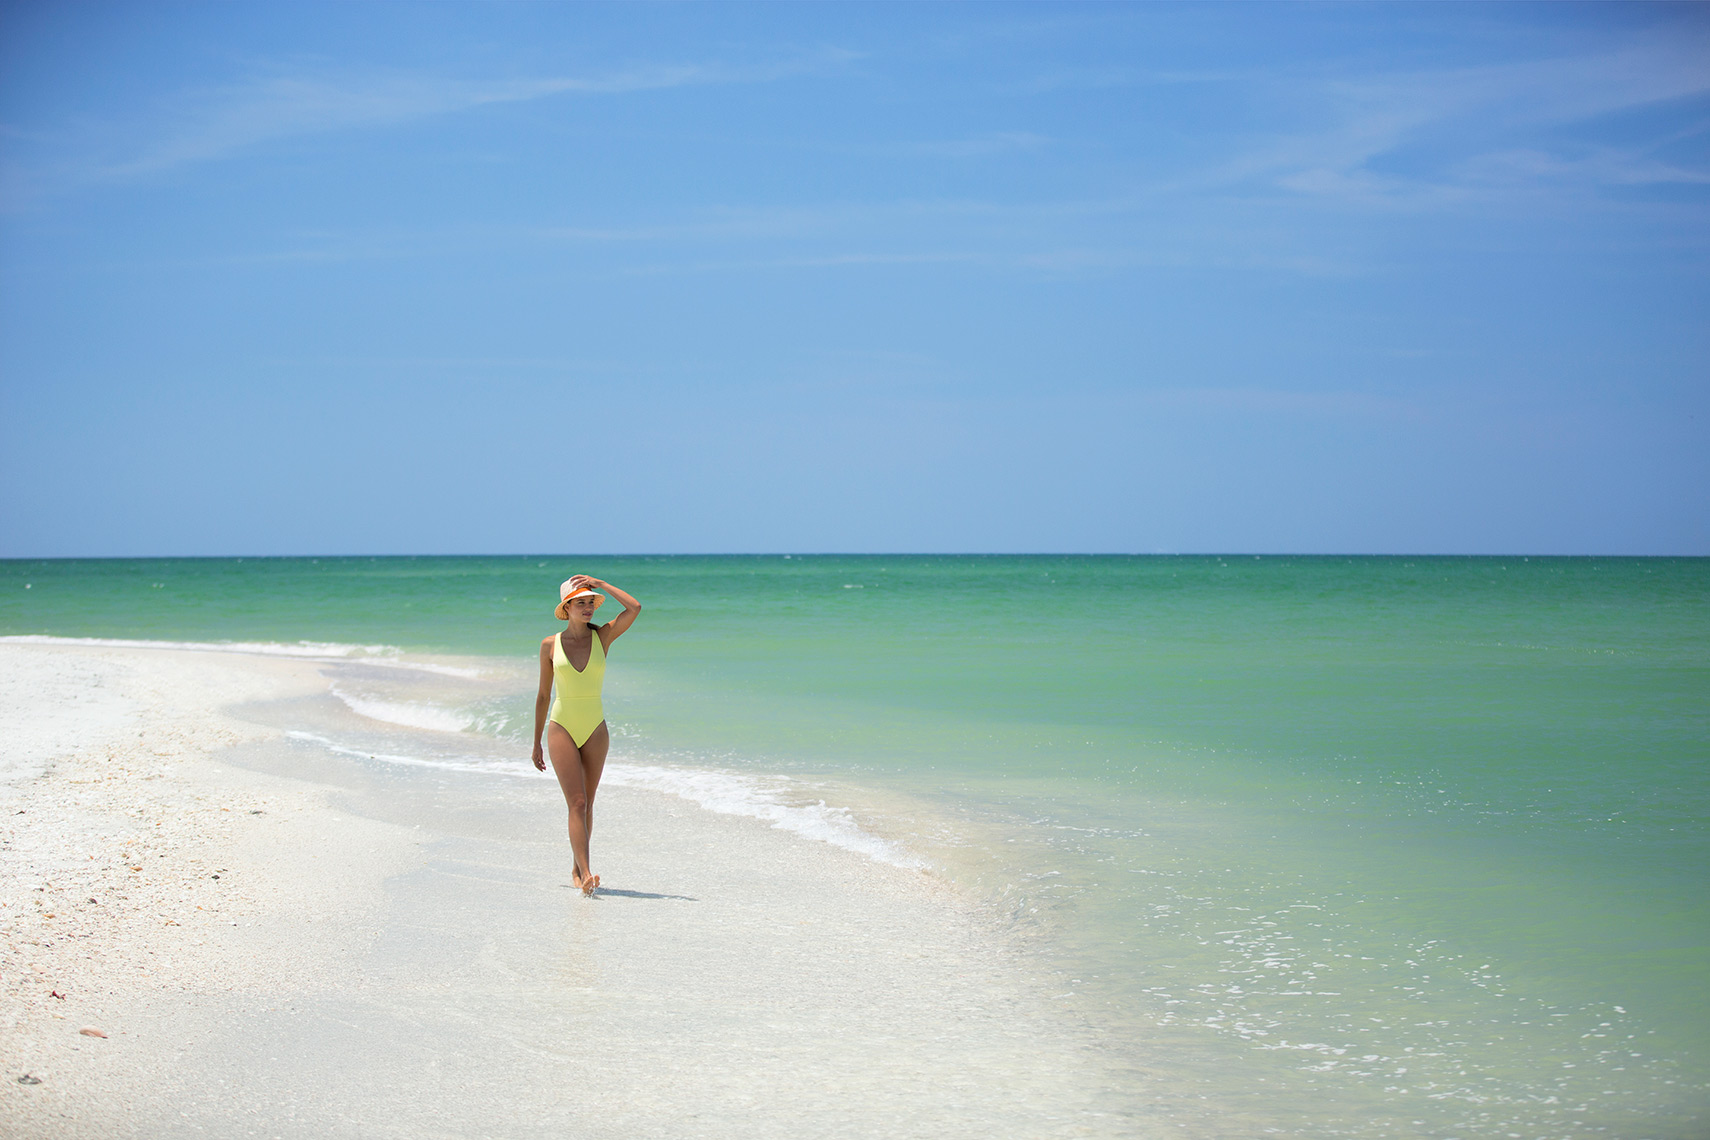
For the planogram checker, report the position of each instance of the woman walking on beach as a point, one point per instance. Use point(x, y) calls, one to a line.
point(575, 727)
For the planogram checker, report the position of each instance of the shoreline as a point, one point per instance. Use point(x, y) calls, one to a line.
point(373, 929)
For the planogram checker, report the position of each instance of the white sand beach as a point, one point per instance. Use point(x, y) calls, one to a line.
point(271, 944)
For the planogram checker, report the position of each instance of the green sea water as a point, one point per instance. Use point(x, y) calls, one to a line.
point(1363, 846)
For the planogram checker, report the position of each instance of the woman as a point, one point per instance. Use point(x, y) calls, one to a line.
point(576, 727)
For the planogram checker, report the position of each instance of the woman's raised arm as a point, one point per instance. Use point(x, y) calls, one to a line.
point(623, 621)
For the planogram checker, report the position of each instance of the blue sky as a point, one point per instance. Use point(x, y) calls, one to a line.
point(389, 278)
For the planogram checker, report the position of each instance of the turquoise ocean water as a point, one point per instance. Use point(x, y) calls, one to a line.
point(1318, 846)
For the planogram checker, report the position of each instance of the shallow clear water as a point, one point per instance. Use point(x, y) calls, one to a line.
point(1369, 846)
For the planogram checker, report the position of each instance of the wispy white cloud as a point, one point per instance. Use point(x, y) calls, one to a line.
point(1051, 238)
point(286, 106)
point(211, 123)
point(1429, 138)
point(1442, 139)
point(1601, 166)
point(706, 225)
point(1328, 404)
point(1139, 253)
point(805, 261)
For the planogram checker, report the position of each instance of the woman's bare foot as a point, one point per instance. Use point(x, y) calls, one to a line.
point(590, 884)
point(576, 877)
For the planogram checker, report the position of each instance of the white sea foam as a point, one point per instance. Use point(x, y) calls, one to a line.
point(765, 798)
point(384, 655)
point(421, 666)
point(723, 792)
point(410, 714)
point(475, 764)
point(321, 649)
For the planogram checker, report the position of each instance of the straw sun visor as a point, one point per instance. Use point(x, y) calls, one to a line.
point(566, 595)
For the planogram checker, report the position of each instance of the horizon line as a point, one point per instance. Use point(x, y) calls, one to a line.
point(792, 554)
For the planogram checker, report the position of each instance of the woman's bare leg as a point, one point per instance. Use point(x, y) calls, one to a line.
point(567, 764)
point(593, 752)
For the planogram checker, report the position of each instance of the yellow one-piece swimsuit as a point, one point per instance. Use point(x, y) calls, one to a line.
point(576, 693)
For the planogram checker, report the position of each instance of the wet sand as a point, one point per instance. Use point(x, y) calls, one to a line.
point(395, 952)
